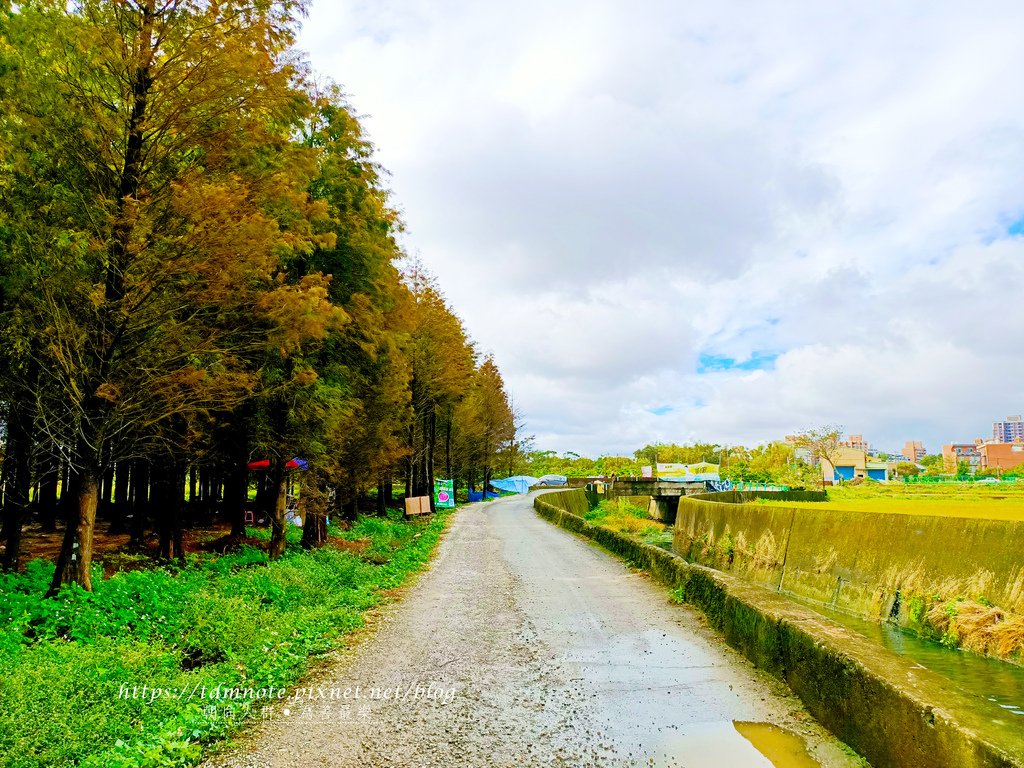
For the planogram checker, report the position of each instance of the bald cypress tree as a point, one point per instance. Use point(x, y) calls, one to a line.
point(159, 137)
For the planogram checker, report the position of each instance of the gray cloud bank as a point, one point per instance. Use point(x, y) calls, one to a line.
point(621, 198)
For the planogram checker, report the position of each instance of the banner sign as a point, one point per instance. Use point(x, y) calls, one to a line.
point(444, 494)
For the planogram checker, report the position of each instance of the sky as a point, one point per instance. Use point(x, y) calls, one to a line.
point(721, 222)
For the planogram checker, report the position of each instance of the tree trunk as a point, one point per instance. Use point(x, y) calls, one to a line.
point(384, 491)
point(236, 487)
point(140, 503)
point(17, 471)
point(206, 488)
point(106, 495)
point(314, 502)
point(350, 509)
point(119, 519)
point(169, 492)
point(64, 555)
point(314, 530)
point(280, 496)
point(236, 497)
point(49, 477)
point(448, 447)
point(134, 150)
point(68, 494)
point(410, 460)
point(74, 565)
point(419, 467)
point(431, 444)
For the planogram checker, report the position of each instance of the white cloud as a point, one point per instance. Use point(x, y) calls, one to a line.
point(606, 190)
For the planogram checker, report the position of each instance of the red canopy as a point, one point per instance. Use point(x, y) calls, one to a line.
point(264, 465)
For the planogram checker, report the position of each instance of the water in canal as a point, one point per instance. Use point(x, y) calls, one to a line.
point(996, 686)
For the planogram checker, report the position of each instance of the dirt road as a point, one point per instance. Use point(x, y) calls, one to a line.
point(525, 646)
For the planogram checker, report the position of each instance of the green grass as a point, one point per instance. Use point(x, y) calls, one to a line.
point(1004, 501)
point(621, 516)
point(67, 665)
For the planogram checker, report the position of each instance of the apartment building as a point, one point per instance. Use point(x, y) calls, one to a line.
point(954, 453)
point(999, 456)
point(1008, 430)
point(856, 442)
point(913, 450)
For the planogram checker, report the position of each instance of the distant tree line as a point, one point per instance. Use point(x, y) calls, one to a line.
point(774, 462)
point(198, 268)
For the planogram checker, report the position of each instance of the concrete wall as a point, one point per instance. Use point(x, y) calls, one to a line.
point(854, 561)
point(892, 711)
point(573, 501)
point(663, 510)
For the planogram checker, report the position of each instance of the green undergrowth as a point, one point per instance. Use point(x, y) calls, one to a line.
point(623, 517)
point(72, 668)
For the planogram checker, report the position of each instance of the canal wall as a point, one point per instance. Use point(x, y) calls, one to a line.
point(889, 709)
point(872, 565)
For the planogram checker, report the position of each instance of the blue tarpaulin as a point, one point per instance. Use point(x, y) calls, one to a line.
point(479, 495)
point(515, 484)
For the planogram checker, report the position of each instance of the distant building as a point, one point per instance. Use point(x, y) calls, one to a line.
point(913, 450)
point(878, 470)
point(852, 463)
point(954, 453)
point(856, 441)
point(801, 452)
point(1009, 430)
point(999, 456)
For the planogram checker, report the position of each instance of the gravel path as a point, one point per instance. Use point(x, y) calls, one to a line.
point(525, 646)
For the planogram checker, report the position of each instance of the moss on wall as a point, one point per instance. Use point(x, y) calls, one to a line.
point(873, 565)
point(573, 501)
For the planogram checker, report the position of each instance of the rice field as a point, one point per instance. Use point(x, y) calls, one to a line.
point(996, 501)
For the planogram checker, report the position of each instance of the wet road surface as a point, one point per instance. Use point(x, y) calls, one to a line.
point(526, 646)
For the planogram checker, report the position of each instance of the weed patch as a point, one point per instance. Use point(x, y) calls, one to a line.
point(621, 516)
point(234, 620)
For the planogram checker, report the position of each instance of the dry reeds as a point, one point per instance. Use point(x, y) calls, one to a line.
point(631, 524)
point(1008, 636)
point(976, 627)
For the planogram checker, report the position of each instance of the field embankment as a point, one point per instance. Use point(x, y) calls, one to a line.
point(956, 579)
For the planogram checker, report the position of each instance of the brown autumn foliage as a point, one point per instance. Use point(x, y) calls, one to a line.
point(199, 269)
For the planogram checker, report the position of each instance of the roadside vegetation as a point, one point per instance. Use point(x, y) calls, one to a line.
point(69, 665)
point(622, 516)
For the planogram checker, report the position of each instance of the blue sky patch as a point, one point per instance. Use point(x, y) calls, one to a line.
point(1016, 228)
point(661, 410)
point(758, 361)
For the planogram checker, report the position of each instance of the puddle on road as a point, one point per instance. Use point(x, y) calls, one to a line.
point(734, 745)
point(783, 748)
